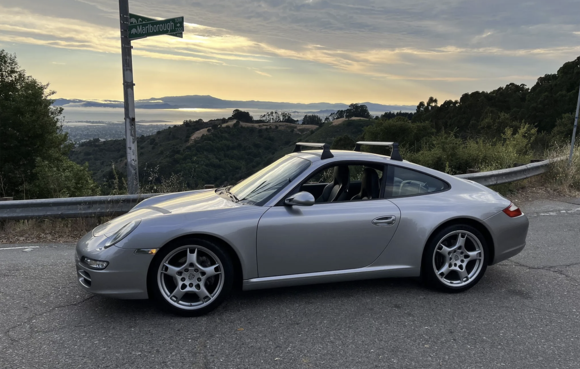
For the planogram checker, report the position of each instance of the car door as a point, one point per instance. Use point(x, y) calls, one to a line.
point(324, 236)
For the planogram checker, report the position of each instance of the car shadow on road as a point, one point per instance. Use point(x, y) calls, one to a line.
point(393, 292)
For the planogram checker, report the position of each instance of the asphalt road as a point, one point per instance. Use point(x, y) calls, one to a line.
point(525, 313)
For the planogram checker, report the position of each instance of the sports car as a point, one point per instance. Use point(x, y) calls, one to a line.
point(313, 216)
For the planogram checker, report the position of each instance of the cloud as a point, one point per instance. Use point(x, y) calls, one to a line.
point(450, 41)
point(262, 73)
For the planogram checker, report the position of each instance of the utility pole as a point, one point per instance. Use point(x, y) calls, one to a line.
point(574, 131)
point(129, 97)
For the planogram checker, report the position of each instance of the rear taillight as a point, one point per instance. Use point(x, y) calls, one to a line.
point(512, 211)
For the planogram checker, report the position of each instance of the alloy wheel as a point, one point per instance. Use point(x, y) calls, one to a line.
point(458, 258)
point(190, 277)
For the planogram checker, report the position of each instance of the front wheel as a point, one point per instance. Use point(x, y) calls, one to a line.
point(191, 277)
point(455, 259)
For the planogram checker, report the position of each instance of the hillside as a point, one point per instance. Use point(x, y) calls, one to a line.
point(206, 153)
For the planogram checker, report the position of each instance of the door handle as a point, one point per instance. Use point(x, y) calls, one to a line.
point(388, 220)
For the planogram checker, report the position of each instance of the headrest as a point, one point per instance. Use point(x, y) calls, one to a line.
point(341, 175)
point(370, 186)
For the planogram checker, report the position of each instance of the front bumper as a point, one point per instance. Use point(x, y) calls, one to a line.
point(125, 277)
point(509, 235)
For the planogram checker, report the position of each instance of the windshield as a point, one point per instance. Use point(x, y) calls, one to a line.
point(260, 187)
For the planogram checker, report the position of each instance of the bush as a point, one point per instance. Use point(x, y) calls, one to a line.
point(563, 175)
point(447, 152)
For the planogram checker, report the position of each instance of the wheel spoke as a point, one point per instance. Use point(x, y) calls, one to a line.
point(462, 274)
point(474, 255)
point(177, 294)
point(444, 250)
point(202, 293)
point(210, 271)
point(171, 270)
point(461, 237)
point(442, 273)
point(192, 257)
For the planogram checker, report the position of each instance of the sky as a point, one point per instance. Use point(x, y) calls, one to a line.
point(340, 51)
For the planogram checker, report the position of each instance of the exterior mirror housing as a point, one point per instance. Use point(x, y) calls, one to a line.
point(301, 198)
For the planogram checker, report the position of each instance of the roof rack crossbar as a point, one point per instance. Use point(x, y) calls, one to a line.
point(395, 155)
point(326, 154)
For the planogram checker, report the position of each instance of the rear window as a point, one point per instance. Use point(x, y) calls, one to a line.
point(402, 182)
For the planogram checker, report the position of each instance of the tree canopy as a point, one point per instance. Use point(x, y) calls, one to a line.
point(312, 120)
point(275, 117)
point(242, 116)
point(33, 148)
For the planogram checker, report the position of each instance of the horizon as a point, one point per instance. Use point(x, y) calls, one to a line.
point(299, 52)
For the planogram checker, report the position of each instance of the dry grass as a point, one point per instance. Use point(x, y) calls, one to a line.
point(342, 120)
point(47, 230)
point(288, 126)
point(562, 180)
point(564, 176)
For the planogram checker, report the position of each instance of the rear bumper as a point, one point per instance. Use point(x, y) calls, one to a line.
point(125, 277)
point(509, 235)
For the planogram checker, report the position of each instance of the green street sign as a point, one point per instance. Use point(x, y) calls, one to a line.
point(138, 19)
point(141, 27)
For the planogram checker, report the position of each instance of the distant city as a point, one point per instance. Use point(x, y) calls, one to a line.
point(79, 132)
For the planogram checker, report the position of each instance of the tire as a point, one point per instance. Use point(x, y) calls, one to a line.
point(190, 277)
point(455, 258)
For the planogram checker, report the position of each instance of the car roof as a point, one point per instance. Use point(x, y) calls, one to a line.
point(315, 157)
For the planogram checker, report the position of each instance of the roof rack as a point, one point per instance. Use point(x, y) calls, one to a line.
point(395, 155)
point(326, 154)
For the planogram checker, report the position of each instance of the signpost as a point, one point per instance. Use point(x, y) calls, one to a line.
point(134, 27)
point(574, 130)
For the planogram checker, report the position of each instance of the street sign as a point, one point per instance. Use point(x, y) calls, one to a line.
point(138, 19)
point(155, 28)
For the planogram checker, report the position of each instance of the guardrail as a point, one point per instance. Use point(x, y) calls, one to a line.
point(502, 176)
point(98, 206)
point(71, 207)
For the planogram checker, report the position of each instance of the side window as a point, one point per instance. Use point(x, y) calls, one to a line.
point(403, 182)
point(345, 182)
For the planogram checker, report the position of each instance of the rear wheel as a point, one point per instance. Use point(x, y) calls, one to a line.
point(191, 277)
point(455, 259)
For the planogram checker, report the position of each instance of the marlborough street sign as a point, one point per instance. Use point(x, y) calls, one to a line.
point(139, 19)
point(159, 27)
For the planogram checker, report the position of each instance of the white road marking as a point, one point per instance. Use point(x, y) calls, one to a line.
point(28, 248)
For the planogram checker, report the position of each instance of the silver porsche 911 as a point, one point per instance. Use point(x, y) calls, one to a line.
point(314, 216)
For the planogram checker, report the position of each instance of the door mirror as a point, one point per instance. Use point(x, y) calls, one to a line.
point(301, 198)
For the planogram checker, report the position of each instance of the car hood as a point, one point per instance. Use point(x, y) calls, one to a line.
point(191, 202)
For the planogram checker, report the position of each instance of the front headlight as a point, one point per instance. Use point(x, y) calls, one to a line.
point(122, 233)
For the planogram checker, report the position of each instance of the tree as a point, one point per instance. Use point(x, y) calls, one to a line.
point(356, 110)
point(275, 117)
point(242, 116)
point(32, 144)
point(344, 142)
point(312, 119)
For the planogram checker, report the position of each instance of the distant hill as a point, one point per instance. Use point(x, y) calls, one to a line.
point(210, 102)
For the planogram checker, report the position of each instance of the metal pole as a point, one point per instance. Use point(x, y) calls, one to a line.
point(574, 131)
point(128, 94)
